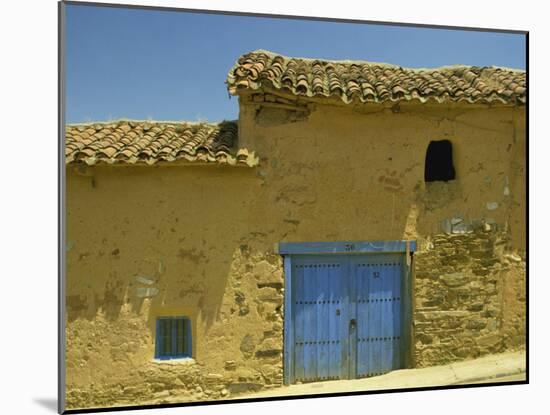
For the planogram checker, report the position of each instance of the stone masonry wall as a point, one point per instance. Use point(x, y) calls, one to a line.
point(259, 365)
point(469, 297)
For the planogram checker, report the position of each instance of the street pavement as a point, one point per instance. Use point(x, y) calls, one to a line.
point(505, 367)
point(513, 378)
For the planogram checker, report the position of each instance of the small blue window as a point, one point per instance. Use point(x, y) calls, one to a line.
point(173, 338)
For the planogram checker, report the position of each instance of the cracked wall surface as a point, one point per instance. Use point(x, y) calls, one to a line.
point(145, 242)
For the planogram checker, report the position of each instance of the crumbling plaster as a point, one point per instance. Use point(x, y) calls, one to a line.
point(149, 241)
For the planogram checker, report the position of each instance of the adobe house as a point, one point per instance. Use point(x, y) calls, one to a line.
point(357, 218)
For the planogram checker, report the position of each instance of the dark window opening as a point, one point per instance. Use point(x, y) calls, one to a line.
point(173, 340)
point(439, 162)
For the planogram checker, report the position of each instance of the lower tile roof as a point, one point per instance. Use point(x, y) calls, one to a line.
point(360, 81)
point(150, 142)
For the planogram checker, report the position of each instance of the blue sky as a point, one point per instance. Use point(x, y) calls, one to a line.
point(166, 65)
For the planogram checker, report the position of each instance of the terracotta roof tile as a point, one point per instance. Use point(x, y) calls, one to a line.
point(358, 81)
point(144, 142)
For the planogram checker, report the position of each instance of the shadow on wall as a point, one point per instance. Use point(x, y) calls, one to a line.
point(187, 281)
point(155, 247)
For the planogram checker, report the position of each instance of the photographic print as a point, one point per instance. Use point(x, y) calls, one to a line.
point(276, 206)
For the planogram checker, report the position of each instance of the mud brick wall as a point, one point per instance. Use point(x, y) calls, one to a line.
point(469, 295)
point(243, 351)
point(199, 242)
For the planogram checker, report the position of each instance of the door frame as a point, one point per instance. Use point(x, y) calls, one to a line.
point(288, 250)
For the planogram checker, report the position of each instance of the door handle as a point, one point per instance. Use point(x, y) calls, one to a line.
point(352, 324)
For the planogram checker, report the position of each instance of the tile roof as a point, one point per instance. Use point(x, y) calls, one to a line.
point(149, 142)
point(359, 81)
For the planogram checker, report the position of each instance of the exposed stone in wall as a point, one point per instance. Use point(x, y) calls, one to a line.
point(250, 318)
point(514, 306)
point(258, 284)
point(152, 382)
point(469, 297)
point(196, 240)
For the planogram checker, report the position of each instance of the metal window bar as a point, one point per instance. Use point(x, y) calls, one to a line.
point(173, 338)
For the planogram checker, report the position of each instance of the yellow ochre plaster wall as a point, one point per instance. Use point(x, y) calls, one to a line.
point(143, 242)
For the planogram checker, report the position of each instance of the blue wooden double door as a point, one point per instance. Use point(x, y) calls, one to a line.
point(346, 315)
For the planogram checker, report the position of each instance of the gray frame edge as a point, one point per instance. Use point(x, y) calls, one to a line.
point(288, 332)
point(61, 237)
point(344, 247)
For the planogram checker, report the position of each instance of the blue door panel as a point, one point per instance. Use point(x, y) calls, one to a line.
point(386, 316)
point(378, 287)
point(299, 321)
point(346, 315)
point(361, 284)
point(374, 318)
point(336, 331)
point(318, 295)
point(322, 323)
point(310, 315)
